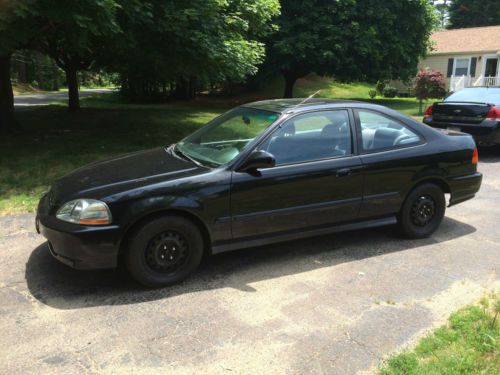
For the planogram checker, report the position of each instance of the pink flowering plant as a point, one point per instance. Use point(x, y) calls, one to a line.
point(429, 84)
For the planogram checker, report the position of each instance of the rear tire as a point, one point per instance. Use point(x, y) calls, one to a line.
point(422, 211)
point(164, 251)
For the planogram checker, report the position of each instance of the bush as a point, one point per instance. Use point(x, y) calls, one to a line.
point(380, 86)
point(429, 84)
point(372, 94)
point(390, 92)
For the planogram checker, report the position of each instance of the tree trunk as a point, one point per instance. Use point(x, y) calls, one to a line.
point(182, 89)
point(6, 95)
point(420, 107)
point(290, 80)
point(192, 87)
point(72, 81)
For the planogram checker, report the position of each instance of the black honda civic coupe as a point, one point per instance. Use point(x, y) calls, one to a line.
point(263, 172)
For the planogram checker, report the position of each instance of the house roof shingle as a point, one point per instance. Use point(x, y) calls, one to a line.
point(473, 39)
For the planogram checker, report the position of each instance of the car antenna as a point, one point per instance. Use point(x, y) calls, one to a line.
point(305, 100)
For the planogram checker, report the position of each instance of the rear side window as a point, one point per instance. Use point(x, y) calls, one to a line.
point(379, 132)
point(311, 136)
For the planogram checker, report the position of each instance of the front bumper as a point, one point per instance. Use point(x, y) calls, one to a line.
point(464, 187)
point(78, 246)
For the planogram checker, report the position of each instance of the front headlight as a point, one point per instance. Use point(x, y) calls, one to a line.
point(85, 211)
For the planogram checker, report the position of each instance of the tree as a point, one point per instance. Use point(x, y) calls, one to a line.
point(429, 84)
point(442, 10)
point(349, 39)
point(180, 45)
point(16, 31)
point(75, 33)
point(474, 13)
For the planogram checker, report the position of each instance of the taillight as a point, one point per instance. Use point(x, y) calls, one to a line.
point(475, 157)
point(493, 113)
point(428, 111)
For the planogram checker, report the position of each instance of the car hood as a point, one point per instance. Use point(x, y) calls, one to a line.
point(122, 173)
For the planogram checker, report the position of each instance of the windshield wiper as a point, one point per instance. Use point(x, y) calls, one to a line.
point(186, 156)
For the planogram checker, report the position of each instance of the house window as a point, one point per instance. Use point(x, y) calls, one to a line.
point(462, 67)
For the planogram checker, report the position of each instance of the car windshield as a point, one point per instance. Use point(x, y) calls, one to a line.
point(481, 95)
point(225, 137)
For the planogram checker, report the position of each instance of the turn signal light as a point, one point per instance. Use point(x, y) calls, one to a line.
point(493, 113)
point(428, 111)
point(475, 157)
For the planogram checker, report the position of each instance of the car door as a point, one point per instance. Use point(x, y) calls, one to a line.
point(391, 156)
point(317, 180)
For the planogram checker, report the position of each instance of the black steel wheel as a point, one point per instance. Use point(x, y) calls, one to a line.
point(167, 252)
point(164, 251)
point(422, 211)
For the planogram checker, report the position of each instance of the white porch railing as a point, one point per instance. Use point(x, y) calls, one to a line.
point(459, 82)
point(490, 81)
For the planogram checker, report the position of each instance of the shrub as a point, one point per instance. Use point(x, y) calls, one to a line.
point(380, 86)
point(372, 94)
point(429, 84)
point(390, 92)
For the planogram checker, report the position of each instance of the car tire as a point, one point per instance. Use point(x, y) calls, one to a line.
point(164, 251)
point(422, 211)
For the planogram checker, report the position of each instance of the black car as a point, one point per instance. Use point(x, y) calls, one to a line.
point(261, 173)
point(473, 110)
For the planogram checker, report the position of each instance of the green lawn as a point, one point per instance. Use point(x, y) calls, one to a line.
point(54, 142)
point(468, 344)
point(355, 91)
point(24, 89)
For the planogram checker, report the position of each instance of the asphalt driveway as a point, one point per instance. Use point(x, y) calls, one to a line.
point(334, 304)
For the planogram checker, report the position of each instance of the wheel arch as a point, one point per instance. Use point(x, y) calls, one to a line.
point(197, 221)
point(439, 181)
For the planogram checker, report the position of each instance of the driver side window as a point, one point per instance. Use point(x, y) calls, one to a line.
point(311, 136)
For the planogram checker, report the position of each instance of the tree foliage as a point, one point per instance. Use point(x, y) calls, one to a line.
point(474, 13)
point(17, 30)
point(177, 43)
point(429, 84)
point(351, 40)
point(72, 32)
point(75, 33)
point(441, 8)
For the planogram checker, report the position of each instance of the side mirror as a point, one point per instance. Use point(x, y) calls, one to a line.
point(258, 160)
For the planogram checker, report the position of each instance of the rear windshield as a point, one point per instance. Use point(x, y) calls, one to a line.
point(482, 95)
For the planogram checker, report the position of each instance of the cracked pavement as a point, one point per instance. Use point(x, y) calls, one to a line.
point(335, 304)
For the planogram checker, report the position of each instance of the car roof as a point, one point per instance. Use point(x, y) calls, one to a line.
point(481, 87)
point(301, 104)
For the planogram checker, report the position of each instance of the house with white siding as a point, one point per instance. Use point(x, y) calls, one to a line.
point(466, 57)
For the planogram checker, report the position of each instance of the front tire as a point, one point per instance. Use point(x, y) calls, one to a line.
point(164, 251)
point(422, 211)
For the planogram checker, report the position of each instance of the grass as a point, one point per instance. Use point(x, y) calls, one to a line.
point(468, 344)
point(354, 91)
point(24, 89)
point(54, 142)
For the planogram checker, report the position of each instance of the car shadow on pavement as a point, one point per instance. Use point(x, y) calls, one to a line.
point(489, 154)
point(61, 287)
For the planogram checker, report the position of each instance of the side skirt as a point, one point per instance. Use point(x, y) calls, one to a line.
point(310, 233)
